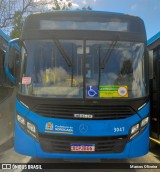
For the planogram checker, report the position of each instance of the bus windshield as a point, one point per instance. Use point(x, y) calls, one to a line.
point(47, 73)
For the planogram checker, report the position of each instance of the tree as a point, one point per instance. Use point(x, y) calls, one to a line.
point(62, 4)
point(14, 12)
point(5, 13)
point(17, 25)
point(30, 6)
point(86, 8)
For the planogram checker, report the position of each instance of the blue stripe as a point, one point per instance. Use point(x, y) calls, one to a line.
point(153, 39)
point(89, 11)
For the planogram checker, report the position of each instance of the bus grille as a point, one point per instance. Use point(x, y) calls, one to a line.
point(62, 144)
point(98, 112)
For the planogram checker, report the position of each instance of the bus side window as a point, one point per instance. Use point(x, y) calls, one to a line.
point(14, 62)
point(4, 82)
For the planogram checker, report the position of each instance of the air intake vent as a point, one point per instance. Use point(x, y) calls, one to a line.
point(51, 143)
point(98, 112)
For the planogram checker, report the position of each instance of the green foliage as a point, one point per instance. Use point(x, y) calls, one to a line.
point(17, 25)
point(57, 6)
point(86, 8)
point(61, 5)
point(18, 17)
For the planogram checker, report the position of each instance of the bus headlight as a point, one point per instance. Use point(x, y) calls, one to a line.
point(144, 122)
point(21, 120)
point(31, 127)
point(134, 129)
point(28, 126)
point(138, 128)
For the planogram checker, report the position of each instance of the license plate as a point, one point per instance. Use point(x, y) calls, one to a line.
point(82, 147)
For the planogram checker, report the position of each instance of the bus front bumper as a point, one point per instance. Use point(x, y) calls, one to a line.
point(24, 144)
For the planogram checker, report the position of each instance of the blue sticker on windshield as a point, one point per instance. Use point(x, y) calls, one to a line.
point(92, 91)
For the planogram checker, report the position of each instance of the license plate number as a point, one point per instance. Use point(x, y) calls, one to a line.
point(82, 147)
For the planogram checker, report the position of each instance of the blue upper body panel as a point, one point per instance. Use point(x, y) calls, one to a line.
point(153, 39)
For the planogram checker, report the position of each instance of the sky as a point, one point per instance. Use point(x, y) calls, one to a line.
point(148, 10)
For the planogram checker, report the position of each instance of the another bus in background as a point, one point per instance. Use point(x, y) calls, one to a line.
point(7, 93)
point(154, 49)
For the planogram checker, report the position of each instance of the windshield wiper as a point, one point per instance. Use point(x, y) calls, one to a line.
point(109, 52)
point(63, 52)
point(66, 57)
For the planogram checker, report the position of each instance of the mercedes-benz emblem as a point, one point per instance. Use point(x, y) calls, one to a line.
point(83, 128)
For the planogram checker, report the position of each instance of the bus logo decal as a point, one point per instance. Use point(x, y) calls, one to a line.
point(83, 128)
point(92, 91)
point(83, 116)
point(122, 91)
point(61, 129)
point(49, 126)
point(109, 91)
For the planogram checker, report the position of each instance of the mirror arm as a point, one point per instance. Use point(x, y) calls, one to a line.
point(10, 76)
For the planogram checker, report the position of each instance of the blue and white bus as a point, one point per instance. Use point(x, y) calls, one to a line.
point(83, 88)
point(7, 95)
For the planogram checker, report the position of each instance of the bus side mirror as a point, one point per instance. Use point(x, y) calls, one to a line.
point(150, 52)
point(11, 60)
point(2, 73)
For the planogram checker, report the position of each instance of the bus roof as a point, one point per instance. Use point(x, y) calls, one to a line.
point(37, 24)
point(154, 41)
point(81, 12)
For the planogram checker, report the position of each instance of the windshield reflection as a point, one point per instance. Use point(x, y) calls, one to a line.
point(51, 75)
